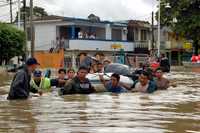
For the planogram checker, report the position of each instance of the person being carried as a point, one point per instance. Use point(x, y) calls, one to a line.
point(39, 84)
point(79, 84)
point(114, 84)
point(20, 86)
point(144, 85)
point(161, 82)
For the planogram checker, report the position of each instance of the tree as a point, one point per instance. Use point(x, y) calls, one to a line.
point(38, 12)
point(94, 18)
point(12, 42)
point(187, 14)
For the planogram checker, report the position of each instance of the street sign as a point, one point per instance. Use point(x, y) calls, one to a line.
point(187, 45)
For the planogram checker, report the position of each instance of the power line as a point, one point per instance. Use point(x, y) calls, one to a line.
point(4, 5)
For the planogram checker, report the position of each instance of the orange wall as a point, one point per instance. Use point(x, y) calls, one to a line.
point(50, 60)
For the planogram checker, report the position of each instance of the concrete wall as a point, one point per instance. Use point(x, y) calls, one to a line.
point(124, 34)
point(45, 35)
point(108, 32)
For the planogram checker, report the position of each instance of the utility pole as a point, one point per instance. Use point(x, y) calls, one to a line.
point(152, 29)
point(159, 6)
point(11, 15)
point(32, 29)
point(19, 13)
point(25, 29)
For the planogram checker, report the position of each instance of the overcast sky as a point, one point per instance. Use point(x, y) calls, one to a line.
point(105, 9)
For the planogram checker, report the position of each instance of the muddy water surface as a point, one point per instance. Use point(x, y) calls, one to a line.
point(174, 110)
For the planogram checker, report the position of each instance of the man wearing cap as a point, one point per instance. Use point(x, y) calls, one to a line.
point(20, 86)
point(39, 84)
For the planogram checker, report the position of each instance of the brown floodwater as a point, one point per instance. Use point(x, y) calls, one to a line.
point(176, 110)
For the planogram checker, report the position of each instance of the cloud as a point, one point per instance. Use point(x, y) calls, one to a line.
point(105, 9)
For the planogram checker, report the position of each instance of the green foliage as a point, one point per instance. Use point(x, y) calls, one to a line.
point(37, 12)
point(12, 42)
point(187, 13)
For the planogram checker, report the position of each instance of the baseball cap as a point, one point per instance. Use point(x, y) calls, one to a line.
point(32, 61)
point(37, 73)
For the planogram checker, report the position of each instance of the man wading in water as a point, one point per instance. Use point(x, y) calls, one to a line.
point(79, 84)
point(20, 86)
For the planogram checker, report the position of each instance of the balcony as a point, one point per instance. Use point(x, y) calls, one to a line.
point(171, 45)
point(142, 44)
point(165, 45)
point(101, 45)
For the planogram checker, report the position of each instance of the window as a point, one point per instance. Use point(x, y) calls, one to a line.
point(143, 35)
point(136, 36)
point(131, 34)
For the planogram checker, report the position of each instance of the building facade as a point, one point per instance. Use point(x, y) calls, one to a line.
point(76, 36)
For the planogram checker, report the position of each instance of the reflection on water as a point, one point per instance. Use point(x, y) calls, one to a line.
point(174, 110)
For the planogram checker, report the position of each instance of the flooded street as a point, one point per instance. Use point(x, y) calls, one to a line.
point(174, 110)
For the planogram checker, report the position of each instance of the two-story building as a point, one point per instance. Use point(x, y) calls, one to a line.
point(90, 36)
point(176, 47)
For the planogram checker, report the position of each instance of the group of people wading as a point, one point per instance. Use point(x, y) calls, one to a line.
point(30, 79)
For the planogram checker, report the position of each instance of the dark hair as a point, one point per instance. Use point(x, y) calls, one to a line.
point(71, 69)
point(85, 54)
point(117, 76)
point(159, 69)
point(163, 55)
point(99, 53)
point(99, 63)
point(83, 68)
point(61, 70)
point(145, 73)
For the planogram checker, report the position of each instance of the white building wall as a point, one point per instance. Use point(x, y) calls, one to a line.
point(98, 45)
point(45, 36)
point(108, 32)
point(124, 34)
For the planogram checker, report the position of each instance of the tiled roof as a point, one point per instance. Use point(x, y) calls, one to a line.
point(138, 23)
point(50, 17)
point(71, 19)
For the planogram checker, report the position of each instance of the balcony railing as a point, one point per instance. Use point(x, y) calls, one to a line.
point(141, 44)
point(170, 45)
point(101, 45)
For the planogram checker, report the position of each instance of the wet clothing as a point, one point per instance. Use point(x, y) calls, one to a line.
point(20, 85)
point(162, 84)
point(43, 85)
point(117, 89)
point(75, 86)
point(149, 88)
point(55, 82)
point(164, 65)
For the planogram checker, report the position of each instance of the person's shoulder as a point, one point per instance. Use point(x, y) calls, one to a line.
point(20, 72)
point(152, 86)
point(70, 82)
point(166, 80)
point(87, 80)
point(122, 89)
point(152, 82)
point(75, 79)
point(47, 79)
